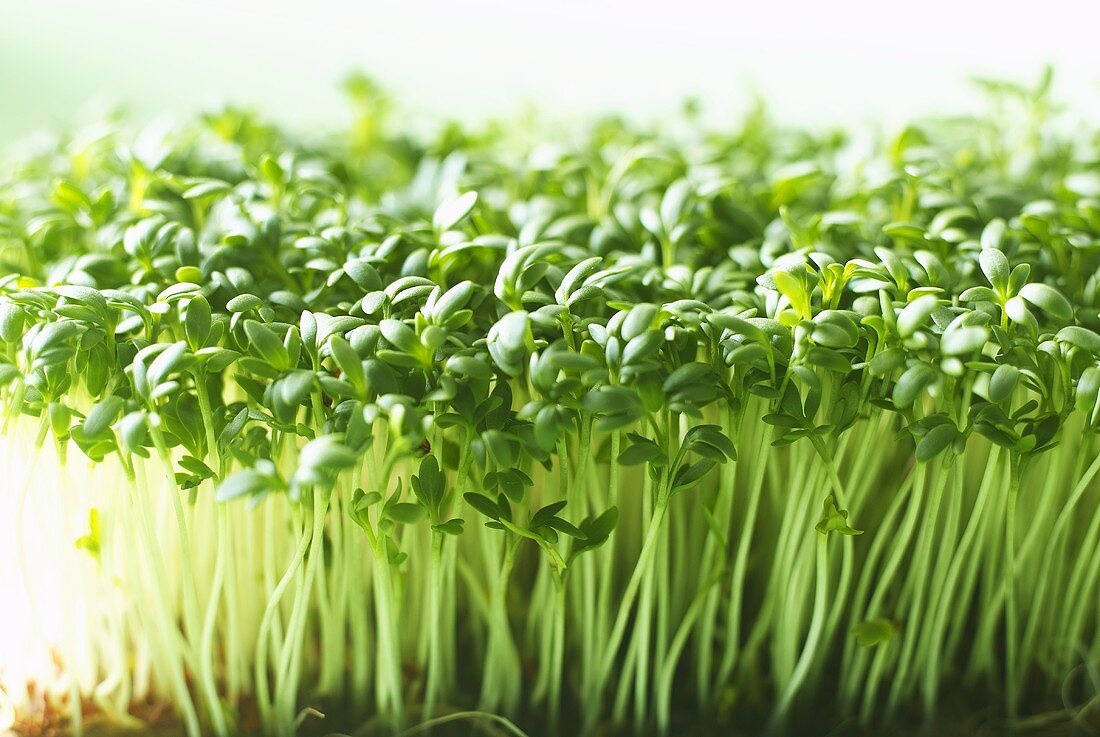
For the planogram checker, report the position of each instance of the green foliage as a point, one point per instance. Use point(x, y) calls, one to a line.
point(653, 357)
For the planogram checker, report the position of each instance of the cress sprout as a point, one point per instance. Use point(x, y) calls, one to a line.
point(610, 429)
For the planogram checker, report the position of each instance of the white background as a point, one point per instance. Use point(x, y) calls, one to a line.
point(816, 62)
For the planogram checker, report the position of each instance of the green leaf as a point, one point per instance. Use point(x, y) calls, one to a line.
point(791, 288)
point(993, 234)
point(565, 527)
point(834, 519)
point(958, 341)
point(327, 453)
point(482, 504)
point(1003, 382)
point(547, 513)
point(206, 188)
point(978, 294)
point(906, 232)
point(996, 268)
point(348, 360)
point(1049, 300)
point(710, 436)
point(599, 529)
point(242, 483)
point(935, 441)
point(267, 344)
point(828, 360)
point(1088, 389)
point(362, 500)
point(399, 335)
point(575, 278)
point(913, 382)
point(1080, 337)
point(453, 526)
point(638, 320)
point(469, 366)
point(690, 374)
point(216, 360)
point(11, 322)
point(453, 300)
point(102, 416)
point(86, 295)
point(166, 362)
point(189, 274)
point(872, 632)
point(886, 362)
point(915, 315)
point(196, 323)
point(428, 483)
point(454, 211)
point(501, 447)
point(689, 475)
point(641, 450)
point(196, 467)
point(291, 392)
point(512, 330)
point(91, 541)
point(404, 513)
point(244, 303)
point(271, 170)
point(8, 374)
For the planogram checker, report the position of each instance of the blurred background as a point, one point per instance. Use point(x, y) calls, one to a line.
point(815, 62)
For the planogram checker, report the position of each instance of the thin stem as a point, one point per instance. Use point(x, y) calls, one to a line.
point(810, 648)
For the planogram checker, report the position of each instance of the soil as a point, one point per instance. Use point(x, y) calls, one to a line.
point(960, 715)
point(958, 721)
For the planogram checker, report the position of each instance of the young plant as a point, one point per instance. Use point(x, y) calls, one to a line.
point(617, 430)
